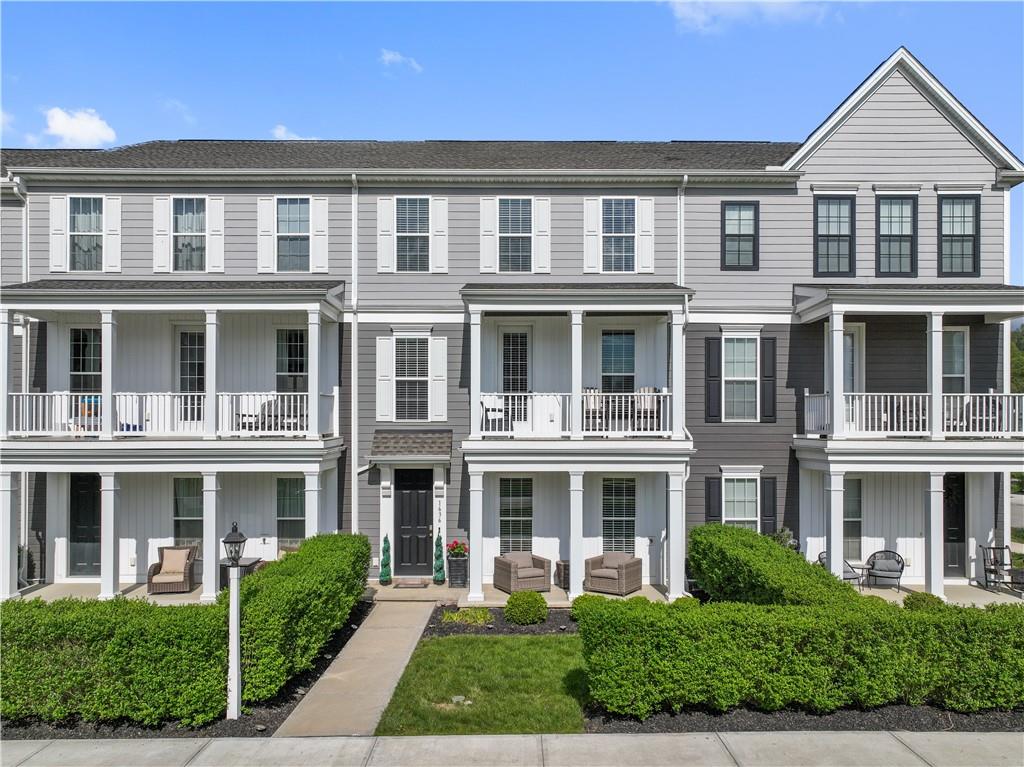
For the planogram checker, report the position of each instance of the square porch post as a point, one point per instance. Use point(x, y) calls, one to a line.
point(108, 340)
point(935, 375)
point(678, 375)
point(210, 371)
point(838, 401)
point(676, 535)
point(110, 554)
point(934, 561)
point(211, 539)
point(576, 362)
point(476, 537)
point(834, 521)
point(475, 362)
point(8, 538)
point(313, 376)
point(575, 534)
point(312, 498)
point(5, 367)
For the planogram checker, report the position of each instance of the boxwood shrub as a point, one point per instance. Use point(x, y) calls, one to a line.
point(524, 608)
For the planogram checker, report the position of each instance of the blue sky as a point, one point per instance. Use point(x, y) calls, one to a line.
point(115, 73)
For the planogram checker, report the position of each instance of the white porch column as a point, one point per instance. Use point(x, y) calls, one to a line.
point(474, 376)
point(8, 538)
point(838, 365)
point(575, 534)
point(312, 503)
point(476, 537)
point(210, 365)
point(678, 375)
point(934, 563)
point(211, 539)
point(313, 375)
point(5, 372)
point(834, 521)
point(676, 538)
point(108, 339)
point(110, 554)
point(935, 375)
point(576, 363)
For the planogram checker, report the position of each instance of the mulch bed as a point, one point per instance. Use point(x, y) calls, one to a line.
point(258, 720)
point(558, 622)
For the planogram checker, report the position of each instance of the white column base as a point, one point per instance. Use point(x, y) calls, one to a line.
point(211, 540)
point(934, 513)
point(575, 534)
point(110, 582)
point(8, 538)
point(476, 537)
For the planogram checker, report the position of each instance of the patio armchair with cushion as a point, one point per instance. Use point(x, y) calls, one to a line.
point(522, 571)
point(886, 566)
point(613, 572)
point(849, 574)
point(173, 574)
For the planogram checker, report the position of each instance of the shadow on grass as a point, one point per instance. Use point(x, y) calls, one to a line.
point(575, 684)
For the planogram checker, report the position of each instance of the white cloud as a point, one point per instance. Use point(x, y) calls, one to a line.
point(6, 119)
point(31, 139)
point(710, 17)
point(82, 128)
point(394, 58)
point(282, 133)
point(180, 108)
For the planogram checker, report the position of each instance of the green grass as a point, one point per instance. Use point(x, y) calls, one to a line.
point(522, 684)
point(474, 616)
point(1017, 534)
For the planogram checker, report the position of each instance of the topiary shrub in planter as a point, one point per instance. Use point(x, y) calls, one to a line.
point(525, 608)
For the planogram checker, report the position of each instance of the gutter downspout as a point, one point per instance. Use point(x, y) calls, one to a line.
point(681, 231)
point(354, 364)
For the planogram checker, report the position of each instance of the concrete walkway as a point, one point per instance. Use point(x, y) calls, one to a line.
point(729, 749)
point(354, 691)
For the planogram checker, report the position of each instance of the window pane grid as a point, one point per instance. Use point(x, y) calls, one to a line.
point(188, 512)
point(291, 511)
point(515, 217)
point(739, 374)
point(618, 227)
point(293, 234)
point(412, 368)
point(895, 235)
point(412, 226)
point(618, 514)
point(515, 254)
point(954, 361)
point(740, 229)
point(852, 519)
point(959, 234)
point(412, 215)
point(85, 230)
point(86, 360)
point(618, 361)
point(412, 254)
point(515, 514)
point(291, 360)
point(834, 234)
point(188, 225)
point(739, 507)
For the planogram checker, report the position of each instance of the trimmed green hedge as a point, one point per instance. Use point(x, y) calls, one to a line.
point(526, 607)
point(643, 657)
point(129, 659)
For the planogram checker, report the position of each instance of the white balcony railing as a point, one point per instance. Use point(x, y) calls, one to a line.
point(55, 413)
point(627, 415)
point(262, 413)
point(886, 414)
point(525, 415)
point(983, 415)
point(159, 414)
point(645, 413)
point(817, 413)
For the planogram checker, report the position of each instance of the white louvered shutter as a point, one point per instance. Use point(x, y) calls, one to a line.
point(488, 235)
point(591, 235)
point(265, 235)
point(439, 234)
point(58, 233)
point(386, 235)
point(645, 235)
point(112, 234)
point(385, 378)
point(318, 237)
point(162, 234)
point(542, 235)
point(215, 234)
point(438, 378)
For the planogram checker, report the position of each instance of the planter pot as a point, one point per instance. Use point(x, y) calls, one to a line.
point(458, 567)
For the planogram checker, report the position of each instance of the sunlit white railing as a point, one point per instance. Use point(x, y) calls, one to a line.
point(817, 413)
point(983, 415)
point(159, 414)
point(625, 415)
point(55, 413)
point(525, 415)
point(247, 414)
point(886, 414)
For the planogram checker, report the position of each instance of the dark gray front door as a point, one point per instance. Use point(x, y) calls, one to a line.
point(413, 549)
point(954, 531)
point(84, 525)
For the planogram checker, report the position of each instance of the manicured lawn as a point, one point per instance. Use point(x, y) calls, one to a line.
point(1017, 534)
point(522, 684)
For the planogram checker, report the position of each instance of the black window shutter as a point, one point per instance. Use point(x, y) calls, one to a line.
point(768, 380)
point(712, 499)
point(712, 380)
point(768, 505)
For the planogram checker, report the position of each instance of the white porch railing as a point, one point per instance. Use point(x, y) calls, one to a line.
point(626, 415)
point(249, 414)
point(54, 413)
point(983, 415)
point(525, 415)
point(886, 414)
point(817, 413)
point(159, 414)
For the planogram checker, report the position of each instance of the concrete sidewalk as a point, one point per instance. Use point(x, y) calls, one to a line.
point(729, 749)
point(355, 689)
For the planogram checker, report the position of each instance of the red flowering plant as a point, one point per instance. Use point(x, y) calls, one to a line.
point(458, 549)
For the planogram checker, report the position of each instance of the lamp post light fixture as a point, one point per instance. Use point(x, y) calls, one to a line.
point(234, 544)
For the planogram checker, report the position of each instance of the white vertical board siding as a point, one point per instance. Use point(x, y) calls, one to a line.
point(549, 363)
point(651, 351)
point(112, 234)
point(650, 521)
point(550, 518)
point(247, 352)
point(145, 521)
point(250, 500)
point(215, 234)
point(58, 231)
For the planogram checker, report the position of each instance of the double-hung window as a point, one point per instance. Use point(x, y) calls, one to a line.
point(412, 370)
point(188, 511)
point(291, 511)
point(188, 227)
point(833, 237)
point(739, 379)
point(86, 360)
point(412, 232)
point(618, 235)
point(292, 234)
point(955, 360)
point(515, 234)
point(959, 244)
point(618, 513)
point(85, 234)
point(740, 502)
point(897, 236)
point(515, 513)
point(292, 360)
point(739, 236)
point(618, 361)
point(853, 519)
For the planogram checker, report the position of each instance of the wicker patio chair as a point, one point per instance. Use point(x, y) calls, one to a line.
point(173, 574)
point(613, 572)
point(522, 571)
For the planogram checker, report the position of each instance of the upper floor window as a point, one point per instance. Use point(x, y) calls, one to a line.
point(739, 379)
point(412, 371)
point(618, 235)
point(188, 229)
point(515, 235)
point(954, 360)
point(959, 244)
point(292, 234)
point(618, 514)
point(85, 234)
point(739, 235)
point(618, 361)
point(897, 236)
point(292, 370)
point(412, 230)
point(86, 363)
point(833, 237)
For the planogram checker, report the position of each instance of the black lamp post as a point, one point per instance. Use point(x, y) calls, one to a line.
point(234, 542)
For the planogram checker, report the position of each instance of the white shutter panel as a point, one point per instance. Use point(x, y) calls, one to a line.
point(438, 386)
point(386, 234)
point(162, 234)
point(488, 235)
point(591, 235)
point(645, 235)
point(439, 234)
point(58, 233)
point(215, 234)
point(385, 378)
point(112, 234)
point(542, 235)
point(265, 235)
point(318, 238)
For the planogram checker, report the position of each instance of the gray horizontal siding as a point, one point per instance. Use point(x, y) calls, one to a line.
point(10, 241)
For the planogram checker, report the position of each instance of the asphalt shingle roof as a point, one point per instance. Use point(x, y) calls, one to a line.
point(410, 443)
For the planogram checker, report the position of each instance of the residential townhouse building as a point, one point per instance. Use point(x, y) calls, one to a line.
point(563, 347)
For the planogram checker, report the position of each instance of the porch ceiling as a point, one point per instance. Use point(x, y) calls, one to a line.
point(997, 302)
point(627, 455)
point(564, 297)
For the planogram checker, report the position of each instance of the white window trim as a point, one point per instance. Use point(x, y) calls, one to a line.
point(860, 332)
point(67, 355)
point(304, 329)
point(749, 332)
point(175, 517)
point(408, 334)
point(637, 501)
point(601, 330)
point(177, 331)
point(533, 231)
point(277, 517)
point(427, 234)
point(966, 330)
point(102, 232)
point(205, 234)
point(743, 472)
point(635, 235)
point(499, 359)
point(533, 496)
point(277, 257)
point(851, 478)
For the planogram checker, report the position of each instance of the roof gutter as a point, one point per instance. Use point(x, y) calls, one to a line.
point(19, 189)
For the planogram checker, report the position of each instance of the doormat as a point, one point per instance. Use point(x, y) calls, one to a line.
point(411, 583)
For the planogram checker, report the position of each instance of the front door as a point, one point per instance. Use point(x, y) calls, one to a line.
point(191, 379)
point(954, 523)
point(84, 525)
point(413, 549)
